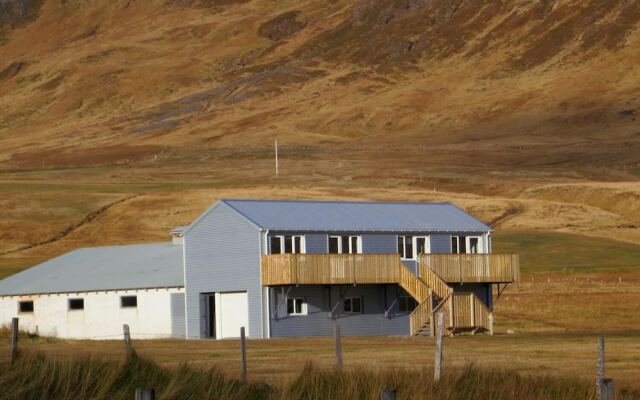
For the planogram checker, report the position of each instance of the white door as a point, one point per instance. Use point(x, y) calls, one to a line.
point(232, 313)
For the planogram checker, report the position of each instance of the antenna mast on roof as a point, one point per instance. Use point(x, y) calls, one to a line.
point(276, 148)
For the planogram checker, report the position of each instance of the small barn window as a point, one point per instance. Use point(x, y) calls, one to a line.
point(129, 301)
point(76, 304)
point(352, 305)
point(25, 306)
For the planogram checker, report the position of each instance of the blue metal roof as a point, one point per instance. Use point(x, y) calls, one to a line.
point(349, 216)
point(137, 266)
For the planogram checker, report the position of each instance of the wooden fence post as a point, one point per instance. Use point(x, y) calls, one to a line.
point(14, 339)
point(243, 351)
point(128, 347)
point(388, 394)
point(600, 368)
point(145, 394)
point(338, 345)
point(439, 333)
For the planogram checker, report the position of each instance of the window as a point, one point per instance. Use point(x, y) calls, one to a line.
point(406, 304)
point(296, 306)
point(345, 245)
point(284, 244)
point(458, 244)
point(25, 306)
point(352, 305)
point(410, 247)
point(466, 244)
point(474, 245)
point(129, 301)
point(76, 304)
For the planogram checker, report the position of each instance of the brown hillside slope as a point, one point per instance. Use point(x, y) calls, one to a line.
point(516, 110)
point(128, 79)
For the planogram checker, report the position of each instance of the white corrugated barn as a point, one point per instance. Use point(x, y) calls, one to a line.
point(91, 293)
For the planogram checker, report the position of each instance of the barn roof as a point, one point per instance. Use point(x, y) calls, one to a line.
point(136, 266)
point(352, 216)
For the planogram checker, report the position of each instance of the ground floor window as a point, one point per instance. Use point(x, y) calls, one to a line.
point(76, 304)
point(129, 301)
point(352, 305)
point(296, 306)
point(25, 306)
point(407, 304)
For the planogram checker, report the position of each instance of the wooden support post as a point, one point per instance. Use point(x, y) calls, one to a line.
point(243, 351)
point(338, 345)
point(14, 340)
point(491, 324)
point(600, 368)
point(128, 347)
point(388, 394)
point(145, 394)
point(439, 333)
point(472, 307)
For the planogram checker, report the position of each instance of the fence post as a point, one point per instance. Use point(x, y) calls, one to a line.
point(439, 333)
point(243, 351)
point(607, 389)
point(14, 339)
point(388, 394)
point(338, 345)
point(600, 368)
point(128, 347)
point(145, 394)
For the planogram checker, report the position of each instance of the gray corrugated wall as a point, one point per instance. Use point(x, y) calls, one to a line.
point(440, 243)
point(379, 243)
point(177, 315)
point(317, 323)
point(316, 243)
point(222, 254)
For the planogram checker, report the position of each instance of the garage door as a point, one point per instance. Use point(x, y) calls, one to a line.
point(232, 313)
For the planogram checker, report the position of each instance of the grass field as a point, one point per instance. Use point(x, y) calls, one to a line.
point(277, 361)
point(36, 375)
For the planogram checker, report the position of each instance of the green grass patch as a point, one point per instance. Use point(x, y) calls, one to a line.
point(560, 252)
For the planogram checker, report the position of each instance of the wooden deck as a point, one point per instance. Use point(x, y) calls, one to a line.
point(329, 269)
point(469, 268)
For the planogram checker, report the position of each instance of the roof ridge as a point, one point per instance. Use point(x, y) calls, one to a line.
point(339, 201)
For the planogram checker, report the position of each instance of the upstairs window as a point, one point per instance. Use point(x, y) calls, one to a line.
point(406, 304)
point(466, 244)
point(287, 244)
point(345, 244)
point(76, 304)
point(296, 306)
point(409, 247)
point(352, 305)
point(129, 301)
point(25, 307)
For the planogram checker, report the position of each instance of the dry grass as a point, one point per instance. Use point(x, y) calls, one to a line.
point(36, 375)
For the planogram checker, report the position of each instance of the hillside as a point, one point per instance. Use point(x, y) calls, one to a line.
point(122, 118)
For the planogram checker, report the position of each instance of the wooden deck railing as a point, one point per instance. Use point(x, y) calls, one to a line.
point(328, 269)
point(494, 268)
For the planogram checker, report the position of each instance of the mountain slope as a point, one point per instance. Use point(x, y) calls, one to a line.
point(534, 84)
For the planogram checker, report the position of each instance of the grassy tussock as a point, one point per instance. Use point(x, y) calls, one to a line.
point(35, 376)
